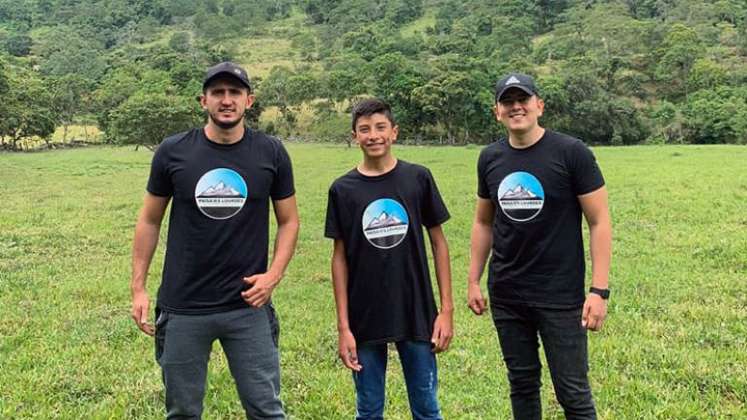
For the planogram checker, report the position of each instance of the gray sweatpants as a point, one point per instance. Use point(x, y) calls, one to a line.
point(249, 337)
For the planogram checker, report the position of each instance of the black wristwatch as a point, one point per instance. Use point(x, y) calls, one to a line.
point(603, 293)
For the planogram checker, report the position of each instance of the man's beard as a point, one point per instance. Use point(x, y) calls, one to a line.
point(226, 125)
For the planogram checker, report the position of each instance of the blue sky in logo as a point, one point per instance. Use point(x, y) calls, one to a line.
point(227, 176)
point(525, 179)
point(391, 207)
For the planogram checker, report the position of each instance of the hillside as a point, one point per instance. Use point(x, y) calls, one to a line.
point(611, 72)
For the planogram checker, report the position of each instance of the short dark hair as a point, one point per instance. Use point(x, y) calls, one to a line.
point(368, 107)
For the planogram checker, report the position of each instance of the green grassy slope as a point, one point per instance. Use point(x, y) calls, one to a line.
point(671, 348)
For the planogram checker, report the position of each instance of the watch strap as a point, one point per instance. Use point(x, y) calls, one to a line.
point(603, 293)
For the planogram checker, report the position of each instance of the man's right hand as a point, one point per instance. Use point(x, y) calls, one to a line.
point(140, 305)
point(347, 351)
point(475, 301)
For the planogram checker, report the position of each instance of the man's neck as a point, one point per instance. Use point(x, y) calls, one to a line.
point(526, 139)
point(377, 166)
point(220, 135)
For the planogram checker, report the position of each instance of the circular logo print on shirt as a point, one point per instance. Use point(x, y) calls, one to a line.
point(220, 193)
point(521, 196)
point(385, 223)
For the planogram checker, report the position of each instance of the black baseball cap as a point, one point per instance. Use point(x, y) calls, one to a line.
point(227, 68)
point(515, 80)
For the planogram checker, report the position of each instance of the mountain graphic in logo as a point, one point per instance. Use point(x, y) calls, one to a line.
point(385, 223)
point(521, 196)
point(519, 193)
point(220, 190)
point(384, 220)
point(221, 193)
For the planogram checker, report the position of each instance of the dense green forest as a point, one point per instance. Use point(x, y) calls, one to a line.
point(610, 71)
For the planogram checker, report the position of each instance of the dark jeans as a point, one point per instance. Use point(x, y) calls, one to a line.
point(249, 340)
point(564, 340)
point(421, 378)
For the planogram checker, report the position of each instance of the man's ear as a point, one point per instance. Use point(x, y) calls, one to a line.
point(540, 106)
point(497, 112)
point(250, 101)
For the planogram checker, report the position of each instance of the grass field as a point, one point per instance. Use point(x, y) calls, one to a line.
point(673, 346)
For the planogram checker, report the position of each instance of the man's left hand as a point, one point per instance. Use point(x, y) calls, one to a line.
point(594, 312)
point(443, 331)
point(261, 289)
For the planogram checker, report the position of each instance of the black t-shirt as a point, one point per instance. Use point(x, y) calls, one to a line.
point(380, 220)
point(538, 255)
point(218, 229)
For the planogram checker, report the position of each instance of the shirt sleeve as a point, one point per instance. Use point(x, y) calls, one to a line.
point(159, 181)
point(482, 185)
point(282, 185)
point(586, 175)
point(434, 211)
point(332, 224)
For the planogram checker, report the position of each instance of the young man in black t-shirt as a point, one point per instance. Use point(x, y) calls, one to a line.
point(376, 214)
point(532, 190)
point(216, 284)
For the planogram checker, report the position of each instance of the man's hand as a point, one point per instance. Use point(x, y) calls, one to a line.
point(140, 306)
point(594, 312)
point(347, 350)
point(475, 301)
point(261, 289)
point(443, 331)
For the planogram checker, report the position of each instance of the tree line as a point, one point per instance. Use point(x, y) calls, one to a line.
point(610, 71)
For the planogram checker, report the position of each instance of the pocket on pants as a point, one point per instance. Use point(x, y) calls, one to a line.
point(162, 318)
point(274, 324)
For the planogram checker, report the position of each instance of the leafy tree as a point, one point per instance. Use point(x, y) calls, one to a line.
point(275, 90)
point(403, 11)
point(181, 42)
point(123, 83)
point(18, 44)
point(394, 77)
point(590, 112)
point(678, 52)
point(717, 115)
point(65, 51)
point(706, 74)
point(69, 98)
point(146, 119)
point(216, 27)
point(26, 109)
point(5, 109)
point(459, 99)
point(3, 76)
point(181, 8)
point(346, 79)
point(318, 10)
point(187, 76)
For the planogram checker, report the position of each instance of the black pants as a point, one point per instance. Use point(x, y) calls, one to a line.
point(564, 341)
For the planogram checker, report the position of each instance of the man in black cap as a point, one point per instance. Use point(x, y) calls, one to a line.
point(532, 189)
point(216, 284)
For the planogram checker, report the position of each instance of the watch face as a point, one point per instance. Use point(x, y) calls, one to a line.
point(604, 293)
